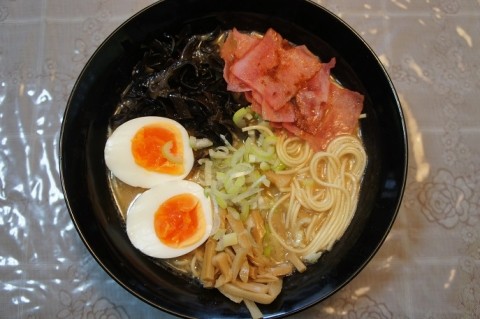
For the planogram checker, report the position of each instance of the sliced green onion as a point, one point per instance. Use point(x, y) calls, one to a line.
point(239, 170)
point(220, 152)
point(227, 240)
point(234, 186)
point(263, 153)
point(199, 143)
point(219, 233)
point(262, 179)
point(237, 156)
point(255, 175)
point(220, 197)
point(244, 211)
point(220, 176)
point(259, 127)
point(264, 166)
point(166, 152)
point(222, 203)
point(230, 239)
point(270, 140)
point(250, 192)
point(239, 117)
point(227, 143)
point(237, 179)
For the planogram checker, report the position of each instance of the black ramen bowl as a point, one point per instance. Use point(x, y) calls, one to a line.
point(108, 72)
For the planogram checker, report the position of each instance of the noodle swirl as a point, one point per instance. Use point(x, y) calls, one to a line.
point(326, 193)
point(293, 151)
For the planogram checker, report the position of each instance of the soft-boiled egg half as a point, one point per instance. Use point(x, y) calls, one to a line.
point(147, 151)
point(170, 220)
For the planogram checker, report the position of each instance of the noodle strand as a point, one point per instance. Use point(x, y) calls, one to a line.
point(330, 198)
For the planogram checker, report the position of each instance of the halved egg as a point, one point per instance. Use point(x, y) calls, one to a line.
point(150, 150)
point(170, 220)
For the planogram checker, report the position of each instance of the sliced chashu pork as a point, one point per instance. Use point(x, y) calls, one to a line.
point(289, 86)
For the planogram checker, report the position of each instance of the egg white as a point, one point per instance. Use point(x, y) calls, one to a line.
point(140, 218)
point(119, 158)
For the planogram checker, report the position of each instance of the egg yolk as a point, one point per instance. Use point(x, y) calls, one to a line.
point(179, 221)
point(159, 149)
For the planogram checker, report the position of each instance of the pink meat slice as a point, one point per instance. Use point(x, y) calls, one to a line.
point(342, 111)
point(276, 69)
point(289, 86)
point(235, 47)
point(285, 114)
point(311, 99)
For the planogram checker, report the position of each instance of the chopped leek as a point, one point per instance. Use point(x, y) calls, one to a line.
point(167, 153)
point(199, 143)
point(227, 143)
point(240, 116)
point(227, 240)
point(235, 174)
point(219, 233)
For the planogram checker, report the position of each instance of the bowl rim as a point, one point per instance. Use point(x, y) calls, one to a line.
point(91, 248)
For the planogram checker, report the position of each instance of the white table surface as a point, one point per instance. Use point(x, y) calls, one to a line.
point(429, 266)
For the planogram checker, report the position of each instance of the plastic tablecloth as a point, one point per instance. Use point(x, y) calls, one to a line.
point(428, 266)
